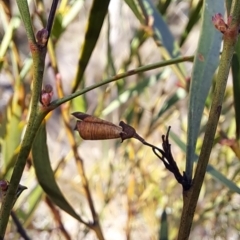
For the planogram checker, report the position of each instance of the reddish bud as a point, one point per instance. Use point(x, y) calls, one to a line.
point(48, 88)
point(42, 37)
point(4, 185)
point(219, 23)
point(46, 95)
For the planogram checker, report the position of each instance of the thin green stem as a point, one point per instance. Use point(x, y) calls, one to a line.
point(7, 203)
point(25, 14)
point(58, 102)
point(191, 197)
point(35, 119)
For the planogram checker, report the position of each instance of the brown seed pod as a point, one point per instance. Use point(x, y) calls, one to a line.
point(93, 128)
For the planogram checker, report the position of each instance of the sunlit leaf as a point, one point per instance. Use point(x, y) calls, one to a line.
point(205, 64)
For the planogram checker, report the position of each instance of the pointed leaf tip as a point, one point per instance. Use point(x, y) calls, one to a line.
point(80, 115)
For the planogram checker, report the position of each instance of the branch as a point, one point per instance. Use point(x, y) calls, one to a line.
point(19, 226)
point(191, 197)
point(58, 102)
point(38, 50)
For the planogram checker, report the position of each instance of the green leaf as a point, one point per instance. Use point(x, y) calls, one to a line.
point(210, 169)
point(95, 22)
point(205, 64)
point(236, 87)
point(163, 233)
point(45, 173)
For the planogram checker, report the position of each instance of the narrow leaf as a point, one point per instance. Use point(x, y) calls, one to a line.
point(95, 21)
point(236, 87)
point(163, 233)
point(45, 173)
point(205, 64)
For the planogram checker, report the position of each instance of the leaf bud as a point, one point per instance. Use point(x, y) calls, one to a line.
point(46, 95)
point(42, 37)
point(219, 23)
